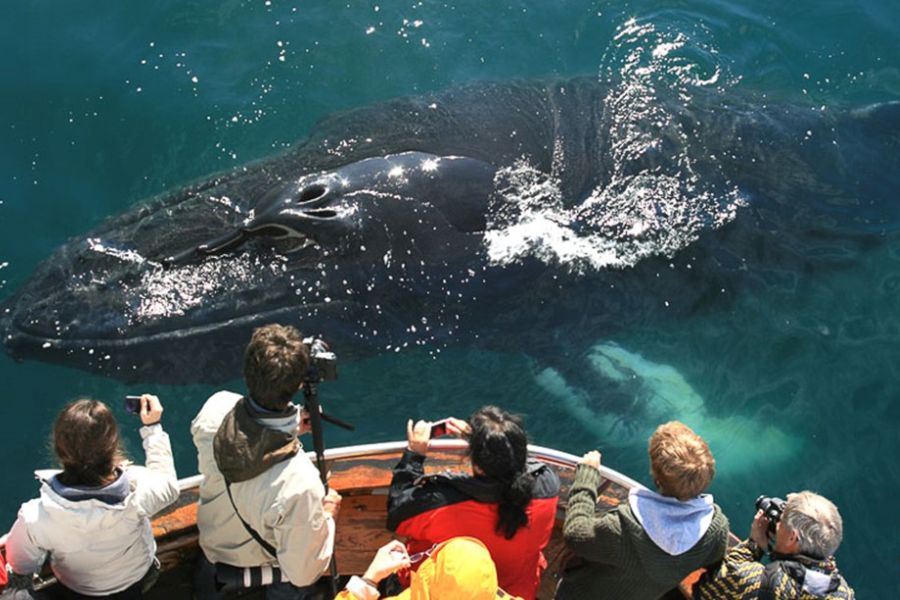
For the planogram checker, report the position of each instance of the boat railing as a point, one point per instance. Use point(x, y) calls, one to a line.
point(551, 456)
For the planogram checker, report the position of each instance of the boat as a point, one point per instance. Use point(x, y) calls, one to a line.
point(362, 475)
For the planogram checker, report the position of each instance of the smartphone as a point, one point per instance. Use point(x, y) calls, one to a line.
point(439, 428)
point(133, 404)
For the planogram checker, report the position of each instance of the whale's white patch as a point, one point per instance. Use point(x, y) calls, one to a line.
point(662, 394)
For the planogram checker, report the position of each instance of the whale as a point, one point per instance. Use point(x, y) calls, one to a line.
point(537, 214)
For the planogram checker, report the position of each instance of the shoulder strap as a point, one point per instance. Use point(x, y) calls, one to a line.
point(253, 533)
point(769, 581)
point(771, 576)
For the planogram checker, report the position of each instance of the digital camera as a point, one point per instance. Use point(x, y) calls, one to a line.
point(322, 361)
point(772, 508)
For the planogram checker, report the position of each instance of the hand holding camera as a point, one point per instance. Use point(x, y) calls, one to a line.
point(768, 513)
point(147, 406)
point(419, 434)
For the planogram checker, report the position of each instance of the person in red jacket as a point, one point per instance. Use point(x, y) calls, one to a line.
point(508, 501)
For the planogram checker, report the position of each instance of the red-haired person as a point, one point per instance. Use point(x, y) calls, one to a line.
point(647, 545)
point(93, 517)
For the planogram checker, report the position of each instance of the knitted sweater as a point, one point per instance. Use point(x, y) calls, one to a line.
point(741, 576)
point(621, 561)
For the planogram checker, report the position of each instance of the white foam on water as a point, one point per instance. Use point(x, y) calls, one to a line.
point(662, 187)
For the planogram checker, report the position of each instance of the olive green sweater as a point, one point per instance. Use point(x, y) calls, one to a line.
point(621, 562)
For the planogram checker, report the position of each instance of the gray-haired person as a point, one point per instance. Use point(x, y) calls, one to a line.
point(802, 564)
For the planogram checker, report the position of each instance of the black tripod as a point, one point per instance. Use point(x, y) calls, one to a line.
point(316, 416)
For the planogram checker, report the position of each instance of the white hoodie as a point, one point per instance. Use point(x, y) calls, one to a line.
point(97, 548)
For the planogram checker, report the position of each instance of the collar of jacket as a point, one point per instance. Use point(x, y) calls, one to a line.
point(815, 576)
point(111, 493)
point(826, 565)
point(244, 448)
point(485, 489)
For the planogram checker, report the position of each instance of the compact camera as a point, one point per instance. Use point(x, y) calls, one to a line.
point(322, 361)
point(133, 405)
point(439, 428)
point(773, 509)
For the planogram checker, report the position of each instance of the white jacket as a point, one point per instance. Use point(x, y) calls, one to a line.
point(283, 504)
point(97, 548)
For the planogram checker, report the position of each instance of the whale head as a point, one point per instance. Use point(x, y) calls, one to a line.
point(170, 290)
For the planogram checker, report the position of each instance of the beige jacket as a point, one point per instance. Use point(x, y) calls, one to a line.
point(283, 504)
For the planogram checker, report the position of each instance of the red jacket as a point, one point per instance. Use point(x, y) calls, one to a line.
point(432, 509)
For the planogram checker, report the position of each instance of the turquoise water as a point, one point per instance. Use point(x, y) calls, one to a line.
point(794, 381)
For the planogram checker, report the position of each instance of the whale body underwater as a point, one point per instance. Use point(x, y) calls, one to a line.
point(505, 210)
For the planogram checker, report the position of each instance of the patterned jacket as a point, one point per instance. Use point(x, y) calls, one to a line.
point(742, 576)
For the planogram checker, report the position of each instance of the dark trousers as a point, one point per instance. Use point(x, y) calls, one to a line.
point(60, 592)
point(205, 585)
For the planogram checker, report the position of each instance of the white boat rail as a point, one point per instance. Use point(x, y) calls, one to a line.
point(547, 455)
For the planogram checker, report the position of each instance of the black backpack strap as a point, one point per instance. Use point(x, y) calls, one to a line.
point(769, 581)
point(773, 573)
point(253, 533)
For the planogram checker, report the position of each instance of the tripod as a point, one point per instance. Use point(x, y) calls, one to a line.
point(316, 416)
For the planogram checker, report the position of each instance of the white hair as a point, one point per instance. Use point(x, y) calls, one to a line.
point(816, 521)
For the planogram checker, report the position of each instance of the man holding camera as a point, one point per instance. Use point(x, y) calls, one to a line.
point(262, 503)
point(807, 531)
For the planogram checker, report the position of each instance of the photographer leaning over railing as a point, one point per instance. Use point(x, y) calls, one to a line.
point(806, 531)
point(93, 517)
point(263, 510)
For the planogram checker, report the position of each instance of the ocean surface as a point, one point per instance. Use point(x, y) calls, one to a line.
point(794, 379)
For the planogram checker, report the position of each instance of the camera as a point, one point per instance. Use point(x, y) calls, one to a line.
point(132, 405)
point(772, 508)
point(322, 361)
point(439, 428)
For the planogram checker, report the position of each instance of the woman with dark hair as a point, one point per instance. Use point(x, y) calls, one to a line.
point(508, 501)
point(93, 517)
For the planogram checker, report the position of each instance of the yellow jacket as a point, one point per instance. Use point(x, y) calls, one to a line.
point(459, 569)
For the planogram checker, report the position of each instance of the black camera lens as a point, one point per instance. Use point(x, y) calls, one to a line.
point(772, 508)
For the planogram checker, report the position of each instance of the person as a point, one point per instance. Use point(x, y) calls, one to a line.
point(261, 502)
point(802, 567)
point(93, 517)
point(457, 569)
point(508, 502)
point(644, 547)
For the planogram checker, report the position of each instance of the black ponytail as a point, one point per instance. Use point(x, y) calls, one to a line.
point(498, 446)
point(513, 503)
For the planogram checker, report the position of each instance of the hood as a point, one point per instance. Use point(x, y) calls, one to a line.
point(70, 510)
point(673, 525)
point(245, 446)
point(815, 576)
point(458, 569)
point(113, 493)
